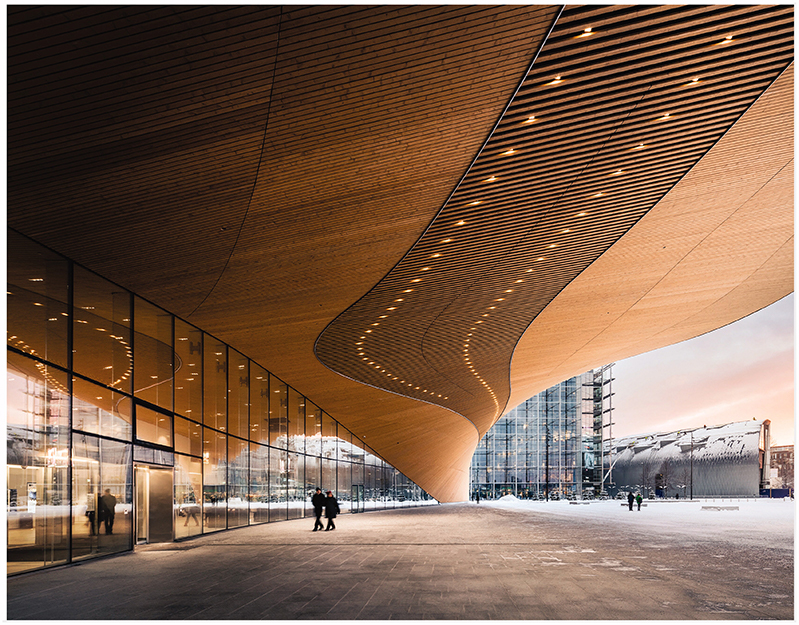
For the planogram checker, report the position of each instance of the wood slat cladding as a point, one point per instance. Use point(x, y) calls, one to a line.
point(140, 157)
point(605, 124)
point(718, 247)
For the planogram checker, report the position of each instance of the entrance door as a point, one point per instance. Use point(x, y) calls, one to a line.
point(154, 509)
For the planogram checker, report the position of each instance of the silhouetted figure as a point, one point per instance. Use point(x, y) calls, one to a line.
point(630, 499)
point(331, 510)
point(477, 496)
point(108, 505)
point(318, 501)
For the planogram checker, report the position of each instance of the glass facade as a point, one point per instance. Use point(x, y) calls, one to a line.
point(549, 446)
point(126, 424)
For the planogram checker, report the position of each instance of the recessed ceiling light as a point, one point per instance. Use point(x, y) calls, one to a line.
point(529, 120)
point(618, 172)
point(461, 223)
point(407, 290)
point(447, 241)
point(491, 179)
point(586, 33)
point(666, 116)
point(475, 203)
point(435, 255)
point(416, 280)
point(600, 194)
point(399, 300)
point(726, 39)
point(425, 269)
point(639, 146)
point(508, 152)
point(557, 81)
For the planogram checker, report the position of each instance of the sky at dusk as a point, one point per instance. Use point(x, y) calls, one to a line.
point(737, 372)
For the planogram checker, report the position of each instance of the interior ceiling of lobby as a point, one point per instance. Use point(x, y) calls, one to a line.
point(417, 216)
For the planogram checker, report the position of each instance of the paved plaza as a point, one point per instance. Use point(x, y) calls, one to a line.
point(455, 561)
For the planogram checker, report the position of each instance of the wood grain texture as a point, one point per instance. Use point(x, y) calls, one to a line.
point(257, 170)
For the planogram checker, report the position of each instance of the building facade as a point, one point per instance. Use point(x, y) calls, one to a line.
point(126, 424)
point(782, 466)
point(551, 445)
point(731, 460)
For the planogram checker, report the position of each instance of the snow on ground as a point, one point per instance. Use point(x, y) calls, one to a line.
point(757, 522)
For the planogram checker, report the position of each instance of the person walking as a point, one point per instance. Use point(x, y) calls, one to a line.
point(630, 499)
point(108, 504)
point(331, 510)
point(318, 501)
point(638, 500)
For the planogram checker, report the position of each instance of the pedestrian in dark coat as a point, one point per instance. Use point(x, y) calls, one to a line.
point(108, 504)
point(630, 499)
point(331, 510)
point(318, 501)
point(638, 500)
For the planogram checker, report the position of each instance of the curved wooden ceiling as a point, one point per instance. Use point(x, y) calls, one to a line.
point(279, 176)
point(605, 123)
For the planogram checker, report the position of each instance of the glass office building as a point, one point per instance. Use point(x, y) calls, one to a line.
point(126, 424)
point(551, 445)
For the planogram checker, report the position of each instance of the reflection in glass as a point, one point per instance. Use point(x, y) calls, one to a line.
point(278, 480)
point(101, 331)
point(259, 483)
point(188, 489)
point(237, 509)
point(278, 412)
point(329, 437)
point(153, 378)
point(329, 481)
point(259, 404)
point(101, 496)
point(153, 427)
point(215, 391)
point(36, 465)
point(37, 314)
point(100, 410)
point(296, 423)
point(239, 394)
point(188, 370)
point(188, 437)
point(296, 485)
point(214, 480)
point(313, 429)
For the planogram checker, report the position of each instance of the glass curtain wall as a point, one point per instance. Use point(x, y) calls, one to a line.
point(243, 447)
point(546, 447)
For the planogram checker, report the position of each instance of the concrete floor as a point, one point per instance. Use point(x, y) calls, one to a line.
point(457, 561)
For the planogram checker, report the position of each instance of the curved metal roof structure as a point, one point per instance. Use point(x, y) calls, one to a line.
point(417, 216)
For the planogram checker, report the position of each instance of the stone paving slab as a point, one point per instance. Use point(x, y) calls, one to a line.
point(449, 562)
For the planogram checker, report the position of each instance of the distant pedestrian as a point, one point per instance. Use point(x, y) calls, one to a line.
point(638, 500)
point(630, 499)
point(318, 501)
point(331, 510)
point(477, 496)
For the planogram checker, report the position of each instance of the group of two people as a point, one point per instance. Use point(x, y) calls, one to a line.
point(634, 498)
point(328, 505)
